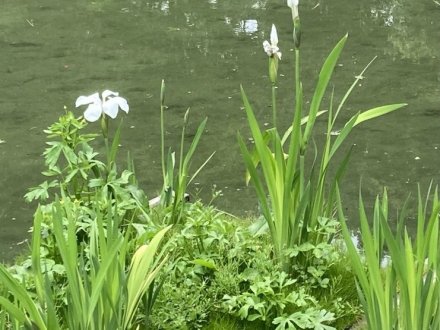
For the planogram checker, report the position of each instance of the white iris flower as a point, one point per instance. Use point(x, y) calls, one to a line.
point(109, 104)
point(271, 48)
point(292, 3)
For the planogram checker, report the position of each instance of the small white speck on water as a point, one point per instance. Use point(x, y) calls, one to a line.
point(417, 158)
point(132, 126)
point(22, 242)
point(266, 124)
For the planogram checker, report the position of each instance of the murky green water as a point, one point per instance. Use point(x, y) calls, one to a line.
point(52, 51)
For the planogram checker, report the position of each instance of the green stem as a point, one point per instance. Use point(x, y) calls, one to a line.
point(274, 105)
point(298, 106)
point(297, 81)
point(162, 133)
point(104, 129)
point(107, 151)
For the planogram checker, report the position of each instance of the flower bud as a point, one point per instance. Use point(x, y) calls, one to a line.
point(186, 117)
point(273, 69)
point(293, 4)
point(162, 93)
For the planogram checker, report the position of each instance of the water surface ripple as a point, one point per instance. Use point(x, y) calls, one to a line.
point(52, 51)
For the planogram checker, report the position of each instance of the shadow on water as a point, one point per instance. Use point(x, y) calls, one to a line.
point(52, 52)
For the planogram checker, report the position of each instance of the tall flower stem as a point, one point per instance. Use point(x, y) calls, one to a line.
point(298, 112)
point(274, 105)
point(162, 130)
point(104, 129)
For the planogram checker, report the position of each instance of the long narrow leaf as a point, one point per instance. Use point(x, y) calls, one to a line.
point(141, 274)
point(377, 112)
point(324, 78)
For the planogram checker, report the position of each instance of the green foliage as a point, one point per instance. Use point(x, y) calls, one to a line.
point(175, 181)
point(99, 292)
point(293, 198)
point(69, 158)
point(218, 267)
point(78, 172)
point(403, 293)
point(81, 261)
point(313, 289)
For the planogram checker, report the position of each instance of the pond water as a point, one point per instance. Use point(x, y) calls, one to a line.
point(53, 51)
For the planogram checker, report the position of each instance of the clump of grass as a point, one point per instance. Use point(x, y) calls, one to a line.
point(403, 292)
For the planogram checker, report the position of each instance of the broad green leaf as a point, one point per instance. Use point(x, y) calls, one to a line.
point(324, 78)
point(23, 297)
point(115, 143)
point(205, 263)
point(342, 136)
point(142, 272)
point(377, 112)
point(304, 120)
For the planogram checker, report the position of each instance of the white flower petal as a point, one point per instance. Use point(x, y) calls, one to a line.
point(110, 107)
point(267, 47)
point(274, 36)
point(292, 3)
point(93, 112)
point(83, 100)
point(278, 54)
point(386, 261)
point(107, 93)
point(122, 103)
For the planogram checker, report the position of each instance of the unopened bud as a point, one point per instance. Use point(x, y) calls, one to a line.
point(186, 117)
point(273, 69)
point(162, 93)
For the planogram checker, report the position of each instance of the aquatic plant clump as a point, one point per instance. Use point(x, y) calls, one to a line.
point(294, 198)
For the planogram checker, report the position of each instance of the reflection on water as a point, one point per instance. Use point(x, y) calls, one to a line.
point(248, 26)
point(53, 51)
point(412, 34)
